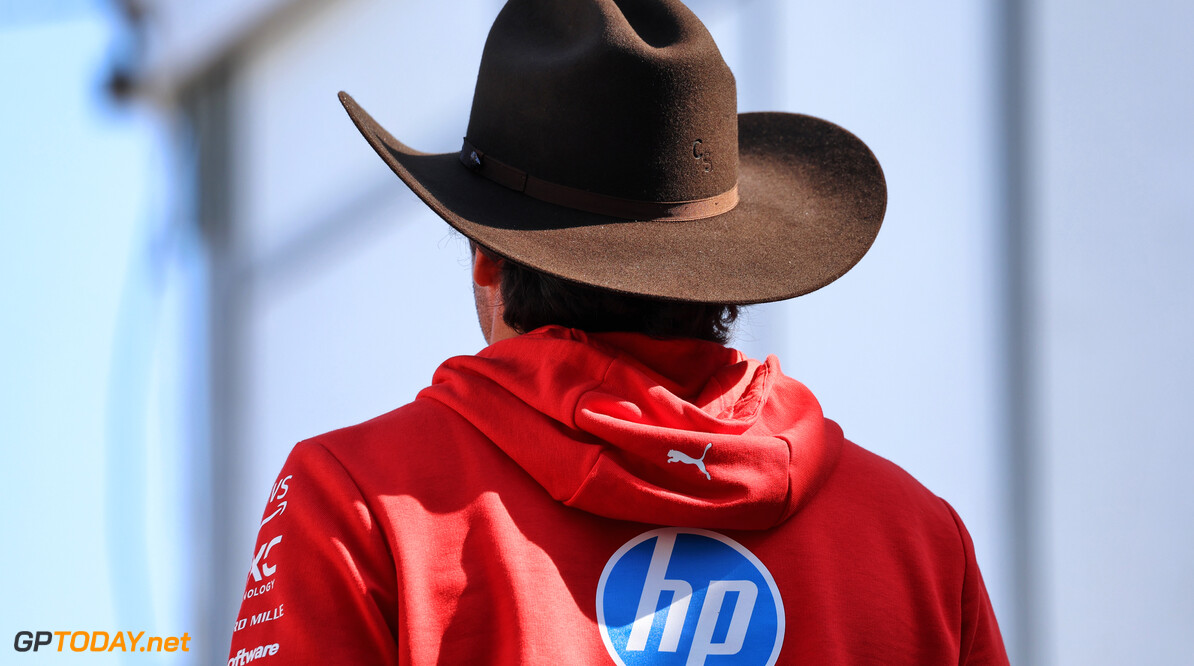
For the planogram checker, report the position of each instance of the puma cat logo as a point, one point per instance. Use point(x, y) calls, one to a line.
point(679, 456)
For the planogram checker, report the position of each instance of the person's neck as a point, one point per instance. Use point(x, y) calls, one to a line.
point(499, 330)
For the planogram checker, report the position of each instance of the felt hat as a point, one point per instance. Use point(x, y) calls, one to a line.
point(604, 146)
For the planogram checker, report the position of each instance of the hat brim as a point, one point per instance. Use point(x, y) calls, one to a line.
point(811, 200)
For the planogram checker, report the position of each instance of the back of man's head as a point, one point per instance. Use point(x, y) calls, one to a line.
point(531, 299)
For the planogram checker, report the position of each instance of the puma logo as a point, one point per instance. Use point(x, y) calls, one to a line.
point(679, 456)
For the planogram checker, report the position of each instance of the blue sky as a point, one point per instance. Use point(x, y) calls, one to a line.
point(76, 176)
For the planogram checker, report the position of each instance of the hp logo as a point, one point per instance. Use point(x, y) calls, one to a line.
point(687, 596)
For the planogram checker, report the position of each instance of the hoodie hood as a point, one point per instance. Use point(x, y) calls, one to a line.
point(669, 432)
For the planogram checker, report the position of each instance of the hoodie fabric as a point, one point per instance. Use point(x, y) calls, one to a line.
point(573, 498)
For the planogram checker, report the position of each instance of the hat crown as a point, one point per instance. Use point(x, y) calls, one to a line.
point(625, 98)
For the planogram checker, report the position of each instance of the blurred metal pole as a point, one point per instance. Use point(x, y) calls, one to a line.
point(206, 104)
point(1020, 395)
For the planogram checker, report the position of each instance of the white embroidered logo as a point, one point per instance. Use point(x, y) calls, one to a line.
point(679, 456)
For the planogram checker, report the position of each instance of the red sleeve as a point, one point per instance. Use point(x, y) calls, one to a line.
point(322, 586)
point(982, 644)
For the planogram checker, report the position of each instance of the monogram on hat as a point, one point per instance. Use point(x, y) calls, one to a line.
point(604, 147)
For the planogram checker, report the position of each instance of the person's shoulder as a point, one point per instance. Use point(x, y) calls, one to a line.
point(387, 437)
point(881, 470)
point(406, 421)
point(884, 488)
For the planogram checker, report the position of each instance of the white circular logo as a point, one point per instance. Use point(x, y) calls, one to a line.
point(687, 596)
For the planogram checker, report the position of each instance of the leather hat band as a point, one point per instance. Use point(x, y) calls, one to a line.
point(591, 202)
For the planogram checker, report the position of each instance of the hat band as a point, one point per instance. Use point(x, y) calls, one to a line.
point(591, 202)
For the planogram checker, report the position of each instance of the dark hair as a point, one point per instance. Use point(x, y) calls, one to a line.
point(532, 299)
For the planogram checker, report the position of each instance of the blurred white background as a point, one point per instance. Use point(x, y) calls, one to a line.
point(204, 263)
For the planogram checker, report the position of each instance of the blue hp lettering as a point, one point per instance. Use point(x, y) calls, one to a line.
point(688, 596)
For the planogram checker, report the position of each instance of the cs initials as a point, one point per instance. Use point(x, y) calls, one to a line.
point(702, 155)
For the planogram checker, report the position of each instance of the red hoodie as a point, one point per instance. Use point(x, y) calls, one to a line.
point(572, 498)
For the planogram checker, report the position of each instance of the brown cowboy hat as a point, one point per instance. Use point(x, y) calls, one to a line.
point(605, 147)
